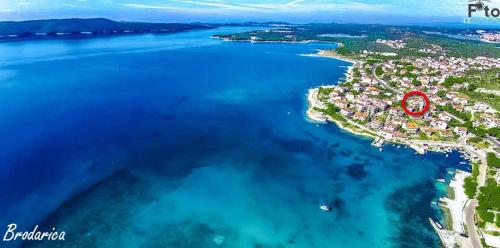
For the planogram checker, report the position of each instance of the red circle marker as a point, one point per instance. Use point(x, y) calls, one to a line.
point(418, 93)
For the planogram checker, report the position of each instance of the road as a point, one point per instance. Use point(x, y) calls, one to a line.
point(493, 140)
point(437, 143)
point(483, 166)
point(382, 82)
point(470, 208)
point(471, 225)
point(454, 117)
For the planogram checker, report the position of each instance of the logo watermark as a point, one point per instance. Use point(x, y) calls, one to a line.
point(482, 7)
point(35, 235)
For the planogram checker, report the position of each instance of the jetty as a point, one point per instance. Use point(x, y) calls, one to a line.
point(378, 142)
point(447, 237)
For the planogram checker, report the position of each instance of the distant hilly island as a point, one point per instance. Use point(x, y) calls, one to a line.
point(82, 27)
point(96, 26)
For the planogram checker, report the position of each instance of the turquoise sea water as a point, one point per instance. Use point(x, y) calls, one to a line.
point(185, 141)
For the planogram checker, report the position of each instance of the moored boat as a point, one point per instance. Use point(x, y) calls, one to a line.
point(325, 208)
point(438, 225)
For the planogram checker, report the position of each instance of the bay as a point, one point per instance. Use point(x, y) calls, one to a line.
point(186, 141)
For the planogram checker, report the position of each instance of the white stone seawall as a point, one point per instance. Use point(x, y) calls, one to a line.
point(452, 238)
point(457, 204)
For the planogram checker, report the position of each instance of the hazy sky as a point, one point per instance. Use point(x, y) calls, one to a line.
point(238, 10)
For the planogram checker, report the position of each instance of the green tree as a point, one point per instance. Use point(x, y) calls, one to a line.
point(441, 93)
point(494, 131)
point(493, 160)
point(489, 201)
point(325, 91)
point(470, 183)
point(450, 81)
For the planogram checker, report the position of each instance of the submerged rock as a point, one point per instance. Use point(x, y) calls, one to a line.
point(219, 239)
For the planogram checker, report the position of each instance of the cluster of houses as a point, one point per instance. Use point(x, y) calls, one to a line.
point(490, 37)
point(434, 49)
point(366, 101)
point(397, 44)
point(429, 70)
point(387, 118)
point(452, 66)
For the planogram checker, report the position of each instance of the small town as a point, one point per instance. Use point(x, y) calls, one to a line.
point(370, 103)
point(372, 98)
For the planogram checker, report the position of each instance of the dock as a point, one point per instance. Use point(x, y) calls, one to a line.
point(378, 142)
point(447, 237)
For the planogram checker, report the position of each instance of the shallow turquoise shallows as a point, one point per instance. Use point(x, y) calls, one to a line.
point(186, 141)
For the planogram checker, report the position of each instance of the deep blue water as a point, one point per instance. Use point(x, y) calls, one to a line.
point(185, 141)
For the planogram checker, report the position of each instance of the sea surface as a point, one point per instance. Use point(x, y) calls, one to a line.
point(181, 140)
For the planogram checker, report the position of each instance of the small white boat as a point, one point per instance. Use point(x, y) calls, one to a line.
point(462, 162)
point(441, 180)
point(325, 208)
point(433, 202)
point(439, 225)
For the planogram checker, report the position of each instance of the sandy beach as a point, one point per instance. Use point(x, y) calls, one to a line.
point(314, 102)
point(329, 54)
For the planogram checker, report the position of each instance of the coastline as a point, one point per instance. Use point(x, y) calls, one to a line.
point(327, 54)
point(277, 41)
point(319, 117)
point(457, 206)
point(420, 146)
